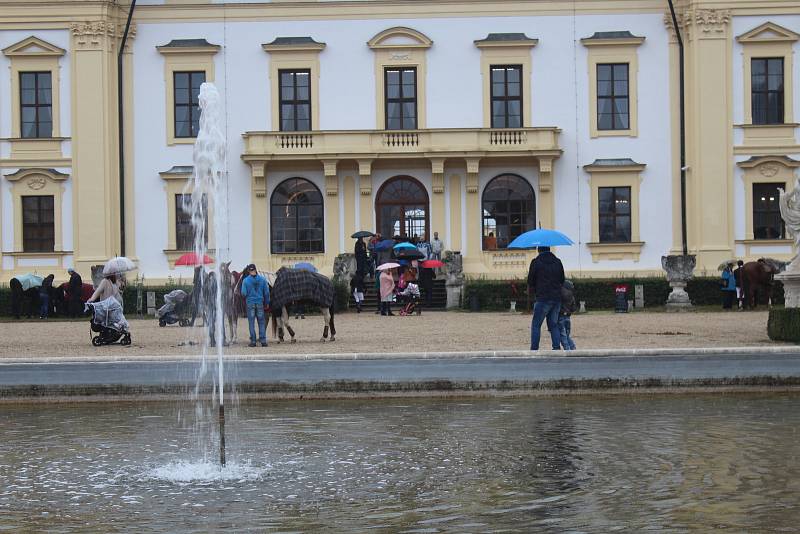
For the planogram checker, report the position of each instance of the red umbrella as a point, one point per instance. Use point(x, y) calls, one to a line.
point(190, 258)
point(432, 264)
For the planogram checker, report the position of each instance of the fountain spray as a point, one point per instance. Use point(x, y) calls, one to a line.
point(209, 187)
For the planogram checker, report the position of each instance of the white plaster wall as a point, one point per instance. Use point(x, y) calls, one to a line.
point(558, 91)
point(7, 211)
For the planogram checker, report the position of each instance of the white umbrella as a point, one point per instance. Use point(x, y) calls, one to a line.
point(387, 266)
point(118, 265)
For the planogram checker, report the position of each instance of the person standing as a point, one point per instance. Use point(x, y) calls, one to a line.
point(426, 277)
point(75, 288)
point(424, 247)
point(387, 291)
point(357, 286)
point(568, 307)
point(361, 255)
point(436, 247)
point(545, 278)
point(17, 294)
point(45, 290)
point(256, 294)
point(738, 276)
point(197, 293)
point(728, 286)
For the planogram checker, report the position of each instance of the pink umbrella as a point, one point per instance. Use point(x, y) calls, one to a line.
point(432, 264)
point(190, 258)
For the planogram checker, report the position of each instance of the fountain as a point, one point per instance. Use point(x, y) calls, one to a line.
point(209, 184)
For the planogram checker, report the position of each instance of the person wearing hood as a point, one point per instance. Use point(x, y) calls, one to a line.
point(545, 279)
point(75, 288)
point(45, 291)
point(568, 307)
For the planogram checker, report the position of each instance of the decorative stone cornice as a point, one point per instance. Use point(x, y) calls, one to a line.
point(91, 34)
point(708, 22)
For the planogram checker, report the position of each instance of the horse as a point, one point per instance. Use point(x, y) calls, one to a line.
point(296, 286)
point(757, 277)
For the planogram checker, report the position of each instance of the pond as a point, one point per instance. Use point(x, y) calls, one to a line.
point(579, 463)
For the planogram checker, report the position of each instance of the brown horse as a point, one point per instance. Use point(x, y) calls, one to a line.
point(757, 279)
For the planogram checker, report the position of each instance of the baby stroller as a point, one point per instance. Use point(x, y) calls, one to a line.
point(410, 299)
point(109, 323)
point(175, 309)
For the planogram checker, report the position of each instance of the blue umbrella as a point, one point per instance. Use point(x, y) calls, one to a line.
point(540, 237)
point(386, 244)
point(305, 266)
point(403, 245)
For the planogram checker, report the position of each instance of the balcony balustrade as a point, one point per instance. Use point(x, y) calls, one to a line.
point(476, 142)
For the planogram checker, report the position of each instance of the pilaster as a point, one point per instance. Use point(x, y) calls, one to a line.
point(452, 240)
point(332, 223)
point(472, 247)
point(365, 207)
point(258, 207)
point(437, 200)
point(94, 147)
point(546, 193)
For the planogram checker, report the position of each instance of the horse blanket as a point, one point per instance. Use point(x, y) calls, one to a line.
point(295, 285)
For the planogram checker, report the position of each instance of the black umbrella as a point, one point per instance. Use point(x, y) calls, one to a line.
point(362, 233)
point(408, 254)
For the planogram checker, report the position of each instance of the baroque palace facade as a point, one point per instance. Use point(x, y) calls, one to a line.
point(476, 119)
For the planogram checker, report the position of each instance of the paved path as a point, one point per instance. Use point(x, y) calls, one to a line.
point(387, 374)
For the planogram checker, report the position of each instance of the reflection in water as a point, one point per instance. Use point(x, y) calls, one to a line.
point(580, 463)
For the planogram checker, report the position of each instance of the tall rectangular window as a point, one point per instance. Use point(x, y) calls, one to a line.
point(295, 100)
point(614, 206)
point(613, 109)
point(766, 90)
point(184, 230)
point(187, 105)
point(506, 94)
point(38, 226)
point(767, 221)
point(36, 104)
point(401, 98)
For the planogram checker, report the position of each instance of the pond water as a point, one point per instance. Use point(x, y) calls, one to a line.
point(594, 464)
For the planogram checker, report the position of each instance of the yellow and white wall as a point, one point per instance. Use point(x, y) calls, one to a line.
point(350, 155)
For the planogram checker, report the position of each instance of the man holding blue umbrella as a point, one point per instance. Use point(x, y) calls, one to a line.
point(545, 278)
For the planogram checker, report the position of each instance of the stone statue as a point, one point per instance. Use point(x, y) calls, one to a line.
point(344, 267)
point(454, 277)
point(790, 212)
point(679, 269)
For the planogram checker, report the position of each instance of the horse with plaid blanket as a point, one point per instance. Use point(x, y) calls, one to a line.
point(298, 286)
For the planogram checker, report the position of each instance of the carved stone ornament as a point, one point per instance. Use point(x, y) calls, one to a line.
point(768, 170)
point(92, 33)
point(37, 182)
point(707, 20)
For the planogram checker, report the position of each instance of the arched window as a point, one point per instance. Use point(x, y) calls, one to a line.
point(297, 217)
point(509, 209)
point(402, 208)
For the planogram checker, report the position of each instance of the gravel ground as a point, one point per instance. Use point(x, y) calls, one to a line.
point(434, 331)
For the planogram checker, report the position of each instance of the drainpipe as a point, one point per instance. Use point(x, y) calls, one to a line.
point(121, 132)
point(682, 127)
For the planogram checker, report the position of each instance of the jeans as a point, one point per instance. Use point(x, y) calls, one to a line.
point(545, 309)
point(564, 328)
point(256, 311)
point(44, 305)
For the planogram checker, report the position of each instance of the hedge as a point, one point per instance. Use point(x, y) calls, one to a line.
point(341, 289)
point(495, 295)
point(784, 324)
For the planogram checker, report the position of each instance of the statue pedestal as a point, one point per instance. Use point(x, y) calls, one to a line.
point(791, 288)
point(679, 270)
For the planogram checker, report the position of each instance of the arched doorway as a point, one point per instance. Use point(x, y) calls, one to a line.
point(402, 208)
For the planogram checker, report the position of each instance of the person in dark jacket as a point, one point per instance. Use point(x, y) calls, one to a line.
point(17, 294)
point(75, 292)
point(361, 256)
point(568, 307)
point(545, 278)
point(738, 277)
point(426, 277)
point(45, 291)
point(357, 287)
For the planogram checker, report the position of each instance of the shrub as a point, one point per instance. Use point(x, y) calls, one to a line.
point(495, 295)
point(784, 324)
